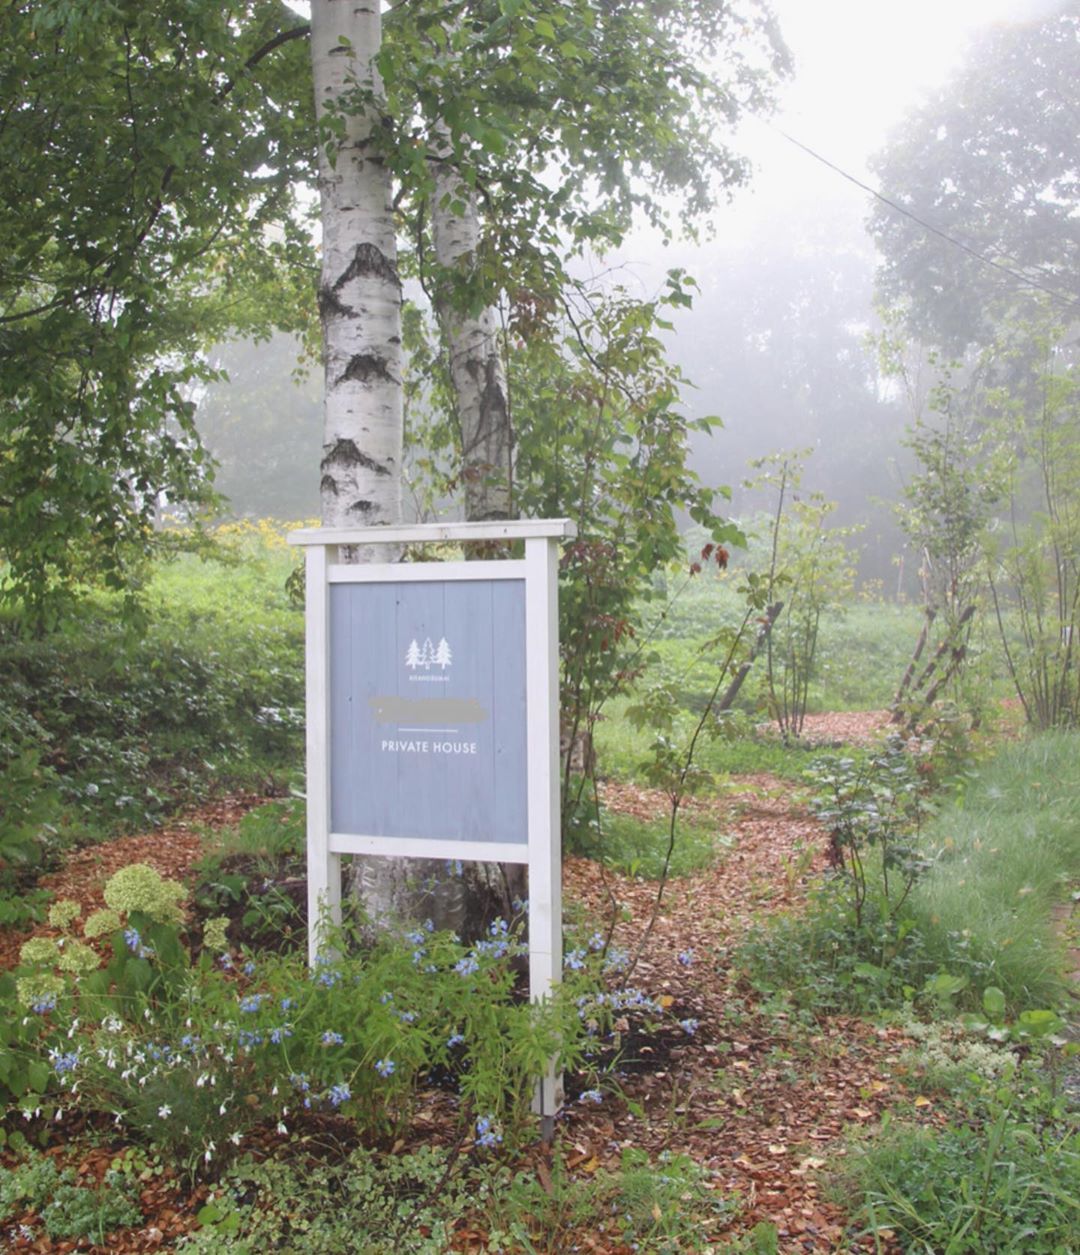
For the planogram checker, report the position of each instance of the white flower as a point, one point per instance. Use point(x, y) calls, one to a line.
point(164, 1111)
point(281, 1128)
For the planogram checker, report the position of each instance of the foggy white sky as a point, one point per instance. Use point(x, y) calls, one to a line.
point(860, 66)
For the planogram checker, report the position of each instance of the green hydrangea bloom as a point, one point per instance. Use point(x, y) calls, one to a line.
point(42, 987)
point(77, 957)
point(64, 913)
point(39, 950)
point(99, 923)
point(214, 931)
point(139, 887)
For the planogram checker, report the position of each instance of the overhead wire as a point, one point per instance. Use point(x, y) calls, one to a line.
point(1016, 275)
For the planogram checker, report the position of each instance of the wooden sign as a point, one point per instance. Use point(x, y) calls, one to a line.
point(432, 717)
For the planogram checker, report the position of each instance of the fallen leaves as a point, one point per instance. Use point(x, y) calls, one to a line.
point(757, 1100)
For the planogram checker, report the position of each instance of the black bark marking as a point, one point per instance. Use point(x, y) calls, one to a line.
point(344, 452)
point(368, 262)
point(331, 306)
point(362, 506)
point(364, 367)
point(328, 486)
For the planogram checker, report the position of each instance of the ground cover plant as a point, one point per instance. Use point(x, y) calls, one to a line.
point(110, 723)
point(766, 1016)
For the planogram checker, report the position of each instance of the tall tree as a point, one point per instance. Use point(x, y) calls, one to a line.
point(359, 288)
point(990, 161)
point(150, 157)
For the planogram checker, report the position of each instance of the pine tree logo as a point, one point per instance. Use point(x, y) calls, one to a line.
point(424, 657)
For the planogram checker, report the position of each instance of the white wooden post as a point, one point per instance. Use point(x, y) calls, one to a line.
point(323, 866)
point(545, 853)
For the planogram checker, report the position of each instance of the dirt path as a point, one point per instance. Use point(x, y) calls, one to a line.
point(756, 1098)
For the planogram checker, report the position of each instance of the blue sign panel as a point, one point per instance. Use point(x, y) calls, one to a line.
point(427, 710)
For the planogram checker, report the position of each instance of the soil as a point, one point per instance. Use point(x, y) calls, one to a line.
point(759, 1100)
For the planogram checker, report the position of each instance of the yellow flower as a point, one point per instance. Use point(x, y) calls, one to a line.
point(39, 950)
point(139, 887)
point(64, 913)
point(98, 923)
point(214, 937)
point(77, 957)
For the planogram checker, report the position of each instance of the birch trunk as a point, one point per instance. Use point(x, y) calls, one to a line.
point(471, 339)
point(478, 381)
point(360, 311)
point(359, 288)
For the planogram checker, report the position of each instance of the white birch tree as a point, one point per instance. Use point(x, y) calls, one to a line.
point(359, 287)
point(471, 343)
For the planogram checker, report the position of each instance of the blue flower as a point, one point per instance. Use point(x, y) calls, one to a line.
point(249, 968)
point(287, 1004)
point(278, 1035)
point(596, 941)
point(616, 960)
point(591, 1095)
point(455, 1039)
point(689, 1027)
point(487, 1133)
point(416, 938)
point(339, 1094)
point(64, 1062)
point(44, 1003)
point(384, 998)
point(252, 1002)
point(385, 1067)
point(686, 958)
point(454, 867)
point(575, 960)
point(328, 978)
point(134, 941)
point(299, 1081)
point(466, 966)
point(407, 1017)
point(332, 1039)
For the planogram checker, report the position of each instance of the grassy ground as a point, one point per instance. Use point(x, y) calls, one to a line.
point(787, 1041)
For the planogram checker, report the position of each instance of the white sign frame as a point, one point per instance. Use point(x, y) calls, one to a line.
point(542, 853)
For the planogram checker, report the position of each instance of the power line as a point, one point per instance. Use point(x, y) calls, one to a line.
point(1017, 275)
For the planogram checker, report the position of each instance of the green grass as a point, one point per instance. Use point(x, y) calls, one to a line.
point(1000, 861)
point(623, 751)
point(108, 725)
point(639, 848)
point(1002, 1176)
point(979, 916)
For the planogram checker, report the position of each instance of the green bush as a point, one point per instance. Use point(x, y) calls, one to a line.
point(190, 1056)
point(106, 725)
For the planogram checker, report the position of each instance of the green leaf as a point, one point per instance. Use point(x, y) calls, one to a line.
point(37, 1076)
point(993, 1001)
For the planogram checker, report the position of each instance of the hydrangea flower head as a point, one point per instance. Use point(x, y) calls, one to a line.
point(140, 887)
